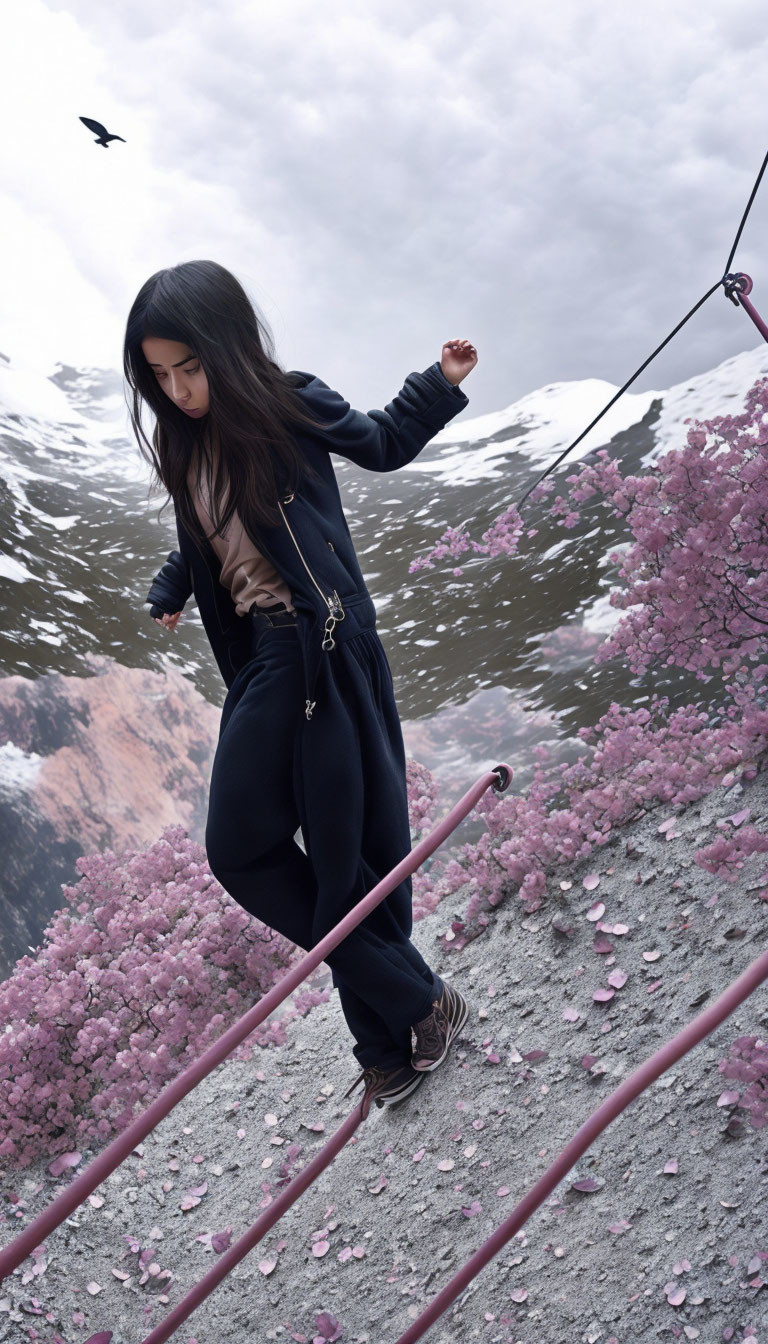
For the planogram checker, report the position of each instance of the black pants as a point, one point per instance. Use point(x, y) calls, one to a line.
point(341, 777)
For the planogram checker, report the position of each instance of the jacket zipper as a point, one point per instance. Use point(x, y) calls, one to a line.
point(336, 611)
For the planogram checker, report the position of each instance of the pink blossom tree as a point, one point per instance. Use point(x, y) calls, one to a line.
point(149, 963)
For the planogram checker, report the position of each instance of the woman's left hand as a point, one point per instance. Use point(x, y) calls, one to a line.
point(457, 360)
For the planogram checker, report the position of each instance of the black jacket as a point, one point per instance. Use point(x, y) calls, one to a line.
point(312, 547)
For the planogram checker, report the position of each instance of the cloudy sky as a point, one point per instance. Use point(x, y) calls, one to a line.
point(557, 182)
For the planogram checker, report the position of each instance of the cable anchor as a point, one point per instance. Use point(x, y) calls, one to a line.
point(733, 281)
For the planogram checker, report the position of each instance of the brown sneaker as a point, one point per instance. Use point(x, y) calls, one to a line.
point(432, 1036)
point(387, 1086)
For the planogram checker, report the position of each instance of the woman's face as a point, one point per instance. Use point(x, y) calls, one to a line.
point(179, 373)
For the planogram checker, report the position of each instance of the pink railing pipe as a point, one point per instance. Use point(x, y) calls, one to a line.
point(740, 285)
point(613, 1105)
point(120, 1147)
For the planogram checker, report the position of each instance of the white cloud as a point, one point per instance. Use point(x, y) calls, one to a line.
point(558, 183)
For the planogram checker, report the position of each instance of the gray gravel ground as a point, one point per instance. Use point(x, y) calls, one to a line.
point(474, 1136)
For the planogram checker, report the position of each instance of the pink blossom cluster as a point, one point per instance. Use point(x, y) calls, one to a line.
point(146, 966)
point(696, 578)
point(725, 856)
point(501, 538)
point(640, 759)
point(422, 797)
point(747, 1063)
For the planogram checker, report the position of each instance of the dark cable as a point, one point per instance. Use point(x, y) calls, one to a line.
point(744, 216)
point(696, 306)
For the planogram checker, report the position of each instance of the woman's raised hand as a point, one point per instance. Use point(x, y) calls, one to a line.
point(457, 360)
point(170, 621)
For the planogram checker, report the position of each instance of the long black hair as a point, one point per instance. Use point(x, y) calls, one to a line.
point(252, 400)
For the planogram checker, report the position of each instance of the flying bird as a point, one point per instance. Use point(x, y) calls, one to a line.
point(100, 131)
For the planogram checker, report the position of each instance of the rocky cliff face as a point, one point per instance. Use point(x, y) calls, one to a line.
point(92, 763)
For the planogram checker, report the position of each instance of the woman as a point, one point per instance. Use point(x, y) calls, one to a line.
point(310, 735)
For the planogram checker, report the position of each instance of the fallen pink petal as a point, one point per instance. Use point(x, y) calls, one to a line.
point(329, 1327)
point(681, 1267)
point(63, 1163)
point(738, 817)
